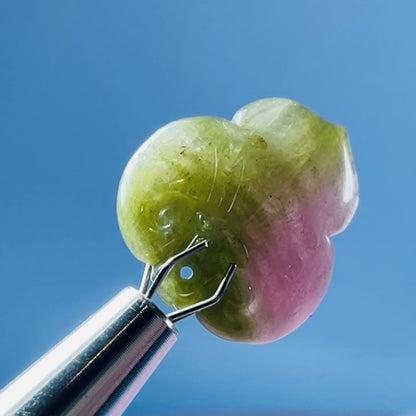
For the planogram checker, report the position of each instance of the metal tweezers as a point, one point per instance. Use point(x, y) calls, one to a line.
point(100, 367)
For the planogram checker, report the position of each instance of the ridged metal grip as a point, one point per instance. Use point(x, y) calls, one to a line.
point(100, 367)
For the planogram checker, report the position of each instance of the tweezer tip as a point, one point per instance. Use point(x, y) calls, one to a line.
point(148, 288)
point(207, 303)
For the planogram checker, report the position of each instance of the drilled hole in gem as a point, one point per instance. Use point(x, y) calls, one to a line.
point(186, 273)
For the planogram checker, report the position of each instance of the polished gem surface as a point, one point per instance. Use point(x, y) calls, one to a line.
point(267, 189)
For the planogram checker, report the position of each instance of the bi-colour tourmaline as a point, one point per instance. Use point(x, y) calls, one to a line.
point(267, 189)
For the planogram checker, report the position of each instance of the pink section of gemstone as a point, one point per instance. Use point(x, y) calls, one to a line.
point(295, 261)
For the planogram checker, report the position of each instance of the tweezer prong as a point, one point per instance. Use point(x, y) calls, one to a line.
point(167, 266)
point(193, 241)
point(206, 303)
point(148, 269)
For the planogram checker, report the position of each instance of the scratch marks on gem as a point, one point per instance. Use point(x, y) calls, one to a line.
point(243, 166)
point(167, 244)
point(246, 252)
point(215, 174)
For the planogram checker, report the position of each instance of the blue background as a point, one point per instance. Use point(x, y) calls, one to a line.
point(83, 83)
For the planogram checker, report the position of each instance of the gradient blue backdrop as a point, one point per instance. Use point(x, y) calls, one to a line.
point(83, 83)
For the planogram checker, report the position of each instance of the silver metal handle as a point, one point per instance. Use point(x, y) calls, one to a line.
point(100, 367)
